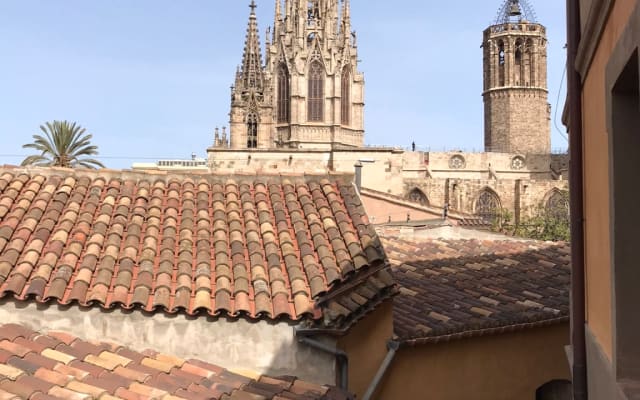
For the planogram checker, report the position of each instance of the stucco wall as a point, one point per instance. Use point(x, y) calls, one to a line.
point(366, 345)
point(596, 177)
point(499, 367)
point(237, 345)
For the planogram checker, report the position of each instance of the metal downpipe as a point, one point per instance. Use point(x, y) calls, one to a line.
point(576, 184)
point(393, 347)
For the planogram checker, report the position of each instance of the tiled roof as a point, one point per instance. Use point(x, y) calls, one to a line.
point(35, 366)
point(263, 248)
point(460, 288)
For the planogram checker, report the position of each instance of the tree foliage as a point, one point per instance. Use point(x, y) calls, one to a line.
point(64, 144)
point(548, 222)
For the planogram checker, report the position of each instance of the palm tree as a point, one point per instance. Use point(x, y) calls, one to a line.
point(64, 144)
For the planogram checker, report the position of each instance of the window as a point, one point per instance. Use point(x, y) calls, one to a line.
point(624, 120)
point(529, 73)
point(418, 196)
point(252, 131)
point(346, 96)
point(501, 59)
point(315, 107)
point(518, 52)
point(488, 206)
point(557, 206)
point(283, 111)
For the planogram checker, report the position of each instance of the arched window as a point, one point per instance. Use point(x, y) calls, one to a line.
point(315, 109)
point(252, 131)
point(519, 68)
point(529, 64)
point(488, 206)
point(557, 205)
point(346, 96)
point(418, 196)
point(554, 390)
point(501, 60)
point(283, 111)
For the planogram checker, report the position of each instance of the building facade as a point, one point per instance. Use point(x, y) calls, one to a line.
point(603, 123)
point(302, 109)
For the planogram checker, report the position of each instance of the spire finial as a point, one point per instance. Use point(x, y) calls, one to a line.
point(253, 6)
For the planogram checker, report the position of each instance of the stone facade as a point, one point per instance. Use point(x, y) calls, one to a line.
point(309, 93)
point(516, 111)
point(516, 172)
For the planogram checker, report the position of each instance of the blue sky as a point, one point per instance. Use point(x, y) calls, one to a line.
point(150, 78)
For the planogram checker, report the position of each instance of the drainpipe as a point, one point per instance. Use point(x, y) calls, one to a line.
point(576, 184)
point(393, 347)
point(341, 359)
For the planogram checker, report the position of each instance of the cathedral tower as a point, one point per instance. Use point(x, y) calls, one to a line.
point(516, 111)
point(309, 94)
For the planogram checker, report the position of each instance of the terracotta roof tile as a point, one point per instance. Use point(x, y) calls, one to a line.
point(260, 247)
point(458, 288)
point(186, 379)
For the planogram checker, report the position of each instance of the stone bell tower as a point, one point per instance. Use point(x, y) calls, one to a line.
point(516, 109)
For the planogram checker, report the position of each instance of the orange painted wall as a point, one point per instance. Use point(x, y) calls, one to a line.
point(596, 177)
point(498, 367)
point(366, 345)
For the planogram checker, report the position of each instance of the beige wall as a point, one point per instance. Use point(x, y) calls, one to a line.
point(366, 345)
point(498, 367)
point(596, 177)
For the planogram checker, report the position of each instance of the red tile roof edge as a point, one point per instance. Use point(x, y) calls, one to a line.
point(107, 173)
point(468, 334)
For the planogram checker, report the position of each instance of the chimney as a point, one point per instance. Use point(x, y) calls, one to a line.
point(358, 177)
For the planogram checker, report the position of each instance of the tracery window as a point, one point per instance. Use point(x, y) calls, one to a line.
point(252, 131)
point(488, 206)
point(284, 113)
point(417, 196)
point(346, 96)
point(315, 103)
point(558, 205)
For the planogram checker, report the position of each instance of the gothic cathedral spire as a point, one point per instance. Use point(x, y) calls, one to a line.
point(251, 112)
point(309, 93)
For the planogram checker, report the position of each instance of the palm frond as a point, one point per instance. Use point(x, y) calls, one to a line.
point(63, 143)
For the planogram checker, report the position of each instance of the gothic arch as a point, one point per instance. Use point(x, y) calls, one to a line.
point(417, 196)
point(315, 93)
point(487, 205)
point(345, 86)
point(252, 120)
point(501, 61)
point(529, 63)
point(283, 94)
point(556, 204)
